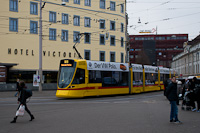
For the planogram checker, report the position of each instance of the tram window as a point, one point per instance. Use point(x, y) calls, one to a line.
point(114, 78)
point(95, 77)
point(137, 78)
point(123, 81)
point(164, 77)
point(108, 80)
point(79, 77)
point(150, 78)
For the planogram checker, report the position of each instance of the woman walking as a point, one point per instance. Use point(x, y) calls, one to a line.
point(22, 101)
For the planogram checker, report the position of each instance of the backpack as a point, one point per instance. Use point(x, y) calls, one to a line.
point(28, 93)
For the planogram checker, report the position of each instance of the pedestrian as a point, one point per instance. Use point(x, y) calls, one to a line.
point(171, 94)
point(198, 100)
point(22, 101)
point(192, 94)
point(196, 91)
point(185, 87)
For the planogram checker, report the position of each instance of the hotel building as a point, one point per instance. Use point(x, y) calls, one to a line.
point(97, 27)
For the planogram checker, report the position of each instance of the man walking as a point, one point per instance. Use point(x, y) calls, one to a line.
point(171, 94)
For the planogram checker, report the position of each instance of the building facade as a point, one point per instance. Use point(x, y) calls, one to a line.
point(97, 27)
point(155, 49)
point(187, 63)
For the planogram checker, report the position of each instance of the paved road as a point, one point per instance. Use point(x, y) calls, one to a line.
point(140, 113)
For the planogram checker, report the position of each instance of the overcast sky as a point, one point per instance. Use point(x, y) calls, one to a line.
point(169, 16)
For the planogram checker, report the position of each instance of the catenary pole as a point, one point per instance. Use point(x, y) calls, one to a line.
point(40, 47)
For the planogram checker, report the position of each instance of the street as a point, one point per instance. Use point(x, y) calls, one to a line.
point(138, 113)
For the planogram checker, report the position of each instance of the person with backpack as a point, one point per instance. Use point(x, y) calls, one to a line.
point(23, 95)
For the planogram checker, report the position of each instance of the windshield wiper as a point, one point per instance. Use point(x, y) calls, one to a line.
point(70, 77)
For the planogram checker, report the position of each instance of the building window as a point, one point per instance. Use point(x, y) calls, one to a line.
point(76, 20)
point(34, 27)
point(76, 36)
point(112, 56)
point(13, 24)
point(65, 0)
point(160, 53)
point(34, 8)
point(122, 57)
point(102, 4)
point(64, 18)
point(112, 6)
point(52, 34)
point(102, 24)
point(122, 8)
point(122, 27)
point(76, 1)
point(112, 25)
point(87, 37)
point(102, 56)
point(87, 22)
point(137, 49)
point(14, 5)
point(131, 56)
point(102, 39)
point(112, 40)
point(122, 42)
point(87, 54)
point(87, 2)
point(160, 38)
point(64, 36)
point(52, 17)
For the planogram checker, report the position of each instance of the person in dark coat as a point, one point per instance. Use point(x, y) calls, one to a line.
point(22, 101)
point(198, 100)
point(195, 94)
point(171, 94)
point(192, 94)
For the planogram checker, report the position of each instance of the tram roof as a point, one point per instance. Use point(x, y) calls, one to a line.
point(164, 70)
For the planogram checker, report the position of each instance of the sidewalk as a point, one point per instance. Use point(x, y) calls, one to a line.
point(35, 93)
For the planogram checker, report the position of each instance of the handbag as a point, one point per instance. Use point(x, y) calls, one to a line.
point(20, 111)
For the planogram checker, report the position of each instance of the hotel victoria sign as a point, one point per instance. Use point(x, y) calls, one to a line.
point(29, 52)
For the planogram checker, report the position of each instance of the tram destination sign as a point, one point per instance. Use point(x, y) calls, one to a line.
point(107, 66)
point(66, 63)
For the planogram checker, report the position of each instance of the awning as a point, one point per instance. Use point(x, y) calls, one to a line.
point(8, 64)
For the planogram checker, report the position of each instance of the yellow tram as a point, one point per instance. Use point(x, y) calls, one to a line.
point(80, 78)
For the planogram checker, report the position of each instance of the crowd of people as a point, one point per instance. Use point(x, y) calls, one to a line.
point(190, 96)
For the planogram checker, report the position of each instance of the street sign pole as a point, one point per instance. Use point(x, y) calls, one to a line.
point(40, 47)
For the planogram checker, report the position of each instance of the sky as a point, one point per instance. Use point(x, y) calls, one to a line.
point(169, 16)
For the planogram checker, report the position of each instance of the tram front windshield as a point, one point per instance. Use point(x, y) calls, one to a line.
point(66, 75)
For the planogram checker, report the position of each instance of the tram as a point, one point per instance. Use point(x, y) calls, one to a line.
point(81, 78)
